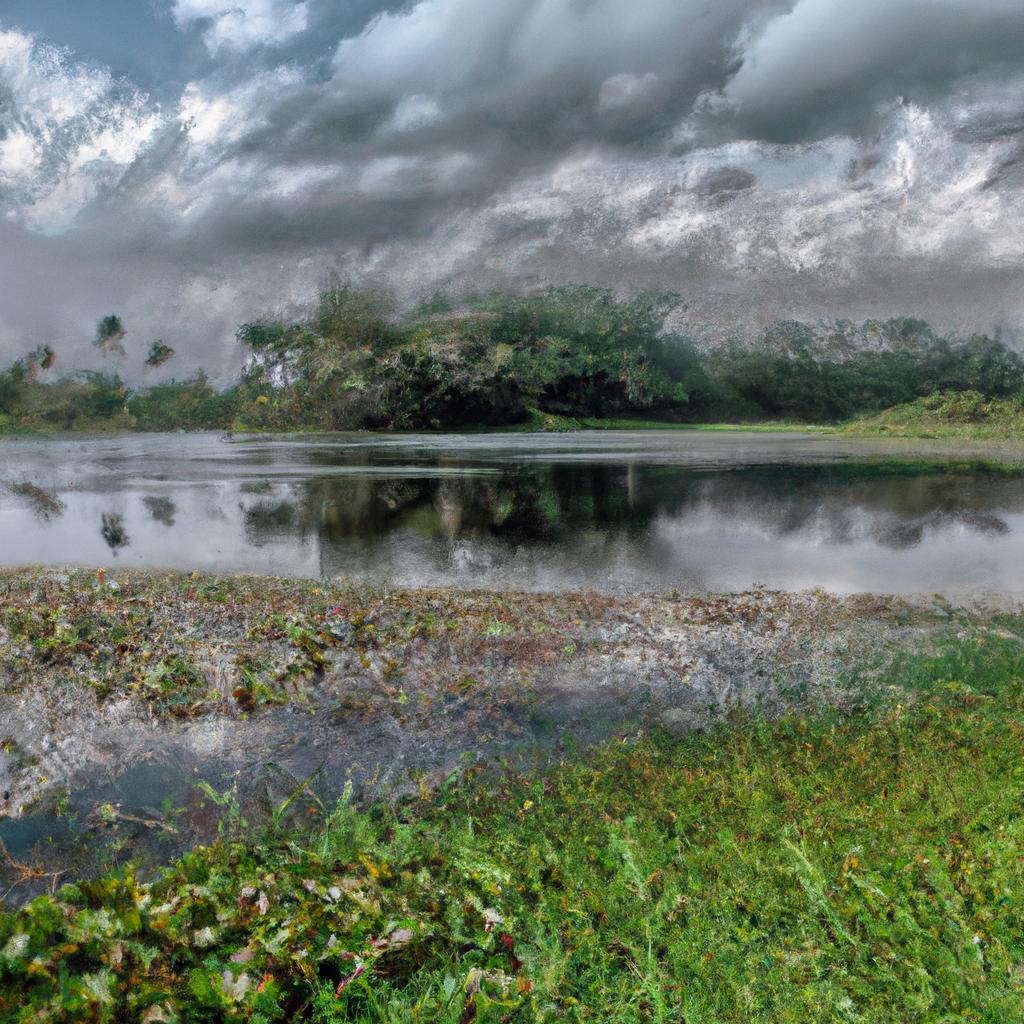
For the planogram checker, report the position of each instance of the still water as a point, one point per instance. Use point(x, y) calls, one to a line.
point(622, 511)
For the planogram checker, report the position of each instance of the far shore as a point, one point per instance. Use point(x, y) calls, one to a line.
point(853, 429)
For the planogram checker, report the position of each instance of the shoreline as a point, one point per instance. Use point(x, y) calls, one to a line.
point(123, 690)
point(560, 425)
point(854, 431)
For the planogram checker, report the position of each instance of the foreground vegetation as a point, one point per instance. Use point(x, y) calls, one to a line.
point(559, 359)
point(866, 868)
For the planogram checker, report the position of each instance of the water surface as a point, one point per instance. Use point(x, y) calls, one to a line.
point(622, 510)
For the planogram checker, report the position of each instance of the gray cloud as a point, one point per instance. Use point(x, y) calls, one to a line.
point(764, 158)
point(825, 67)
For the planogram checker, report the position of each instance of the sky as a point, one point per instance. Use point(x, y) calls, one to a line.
point(192, 164)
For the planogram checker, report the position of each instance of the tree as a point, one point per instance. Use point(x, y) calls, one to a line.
point(159, 353)
point(110, 334)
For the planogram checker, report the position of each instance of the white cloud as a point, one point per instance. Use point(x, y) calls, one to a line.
point(242, 25)
point(69, 131)
point(19, 156)
point(217, 118)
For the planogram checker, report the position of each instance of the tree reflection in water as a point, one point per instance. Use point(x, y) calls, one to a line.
point(541, 505)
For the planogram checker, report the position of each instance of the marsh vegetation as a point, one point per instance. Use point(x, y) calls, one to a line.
point(805, 870)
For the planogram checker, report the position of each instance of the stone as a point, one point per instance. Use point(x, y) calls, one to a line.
point(680, 722)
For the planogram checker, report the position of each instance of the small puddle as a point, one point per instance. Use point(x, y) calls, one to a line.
point(177, 798)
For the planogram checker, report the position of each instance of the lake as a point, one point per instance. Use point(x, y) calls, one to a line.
point(612, 510)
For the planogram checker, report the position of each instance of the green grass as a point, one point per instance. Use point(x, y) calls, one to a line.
point(861, 868)
point(768, 427)
point(966, 414)
point(541, 422)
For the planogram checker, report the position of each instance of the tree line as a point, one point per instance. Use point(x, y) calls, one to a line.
point(572, 353)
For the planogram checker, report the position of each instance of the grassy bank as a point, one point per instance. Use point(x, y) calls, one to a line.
point(541, 422)
point(858, 869)
point(968, 415)
point(771, 426)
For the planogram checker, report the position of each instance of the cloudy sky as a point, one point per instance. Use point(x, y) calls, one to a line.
point(192, 163)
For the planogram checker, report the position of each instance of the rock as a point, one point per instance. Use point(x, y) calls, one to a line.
point(680, 722)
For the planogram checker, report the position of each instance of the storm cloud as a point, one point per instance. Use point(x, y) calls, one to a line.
point(812, 158)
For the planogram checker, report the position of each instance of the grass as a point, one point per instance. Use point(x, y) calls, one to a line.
point(966, 414)
point(867, 868)
point(542, 422)
point(537, 422)
point(768, 427)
